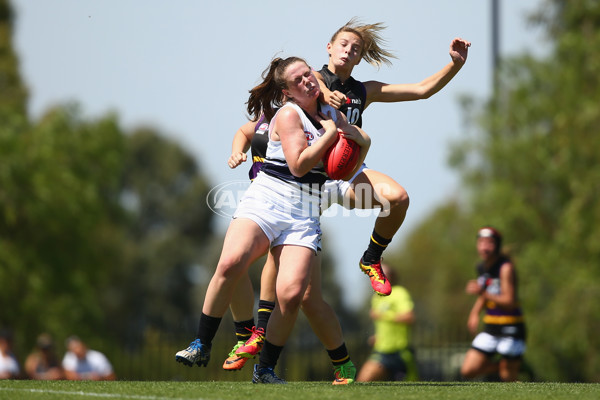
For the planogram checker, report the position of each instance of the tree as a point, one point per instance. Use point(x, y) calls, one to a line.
point(96, 224)
point(13, 94)
point(168, 225)
point(58, 208)
point(538, 164)
point(531, 169)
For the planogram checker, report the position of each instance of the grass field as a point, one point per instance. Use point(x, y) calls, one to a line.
point(153, 390)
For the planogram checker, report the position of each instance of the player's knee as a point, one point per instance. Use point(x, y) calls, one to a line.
point(399, 199)
point(311, 304)
point(290, 298)
point(230, 267)
point(290, 304)
point(306, 301)
point(396, 198)
point(467, 371)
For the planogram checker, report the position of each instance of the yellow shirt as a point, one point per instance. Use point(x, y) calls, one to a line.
point(391, 336)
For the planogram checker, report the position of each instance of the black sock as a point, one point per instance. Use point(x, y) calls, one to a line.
point(339, 356)
point(207, 329)
point(377, 245)
point(243, 329)
point(265, 308)
point(269, 355)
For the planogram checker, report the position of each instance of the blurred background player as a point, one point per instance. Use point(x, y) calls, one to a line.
point(9, 366)
point(43, 363)
point(82, 363)
point(504, 329)
point(392, 358)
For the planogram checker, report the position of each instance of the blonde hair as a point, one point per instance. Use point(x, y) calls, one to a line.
point(373, 50)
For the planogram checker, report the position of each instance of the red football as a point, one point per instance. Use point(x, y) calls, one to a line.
point(341, 158)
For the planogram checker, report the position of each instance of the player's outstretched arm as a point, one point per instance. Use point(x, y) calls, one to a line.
point(389, 93)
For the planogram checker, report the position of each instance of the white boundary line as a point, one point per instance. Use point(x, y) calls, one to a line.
point(94, 394)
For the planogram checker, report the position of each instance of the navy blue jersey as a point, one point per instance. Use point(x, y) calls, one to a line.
point(499, 320)
point(258, 146)
point(356, 95)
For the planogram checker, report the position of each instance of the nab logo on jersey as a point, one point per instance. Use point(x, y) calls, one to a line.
point(309, 137)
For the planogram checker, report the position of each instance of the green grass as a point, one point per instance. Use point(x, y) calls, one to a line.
point(153, 390)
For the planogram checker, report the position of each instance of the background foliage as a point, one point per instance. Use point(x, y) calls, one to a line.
point(105, 233)
point(529, 164)
point(99, 228)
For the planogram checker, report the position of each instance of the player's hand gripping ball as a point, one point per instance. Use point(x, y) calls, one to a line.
point(341, 158)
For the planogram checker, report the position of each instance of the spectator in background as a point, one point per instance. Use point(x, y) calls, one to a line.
point(9, 366)
point(496, 295)
point(81, 363)
point(392, 358)
point(43, 363)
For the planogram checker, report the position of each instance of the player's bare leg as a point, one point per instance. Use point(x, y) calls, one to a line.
point(326, 326)
point(242, 311)
point(372, 371)
point(508, 369)
point(477, 363)
point(320, 315)
point(372, 189)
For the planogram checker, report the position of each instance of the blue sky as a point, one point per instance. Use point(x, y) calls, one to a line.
point(186, 66)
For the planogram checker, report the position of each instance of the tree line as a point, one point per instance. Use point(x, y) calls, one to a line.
point(529, 164)
point(101, 229)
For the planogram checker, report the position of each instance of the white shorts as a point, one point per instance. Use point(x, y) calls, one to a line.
point(334, 191)
point(284, 212)
point(504, 345)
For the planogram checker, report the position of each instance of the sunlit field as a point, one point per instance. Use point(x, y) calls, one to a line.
point(154, 390)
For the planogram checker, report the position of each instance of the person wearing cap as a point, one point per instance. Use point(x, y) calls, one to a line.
point(503, 334)
point(43, 363)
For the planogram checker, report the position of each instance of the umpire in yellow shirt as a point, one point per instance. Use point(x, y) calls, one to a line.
point(392, 358)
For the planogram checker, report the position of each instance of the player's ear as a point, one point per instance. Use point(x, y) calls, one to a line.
point(329, 46)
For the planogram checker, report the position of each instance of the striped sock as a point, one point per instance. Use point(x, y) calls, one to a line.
point(243, 329)
point(265, 308)
point(339, 356)
point(377, 245)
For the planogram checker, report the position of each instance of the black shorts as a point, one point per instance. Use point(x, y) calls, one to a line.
point(392, 362)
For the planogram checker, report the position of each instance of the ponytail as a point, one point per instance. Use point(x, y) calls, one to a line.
point(268, 94)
